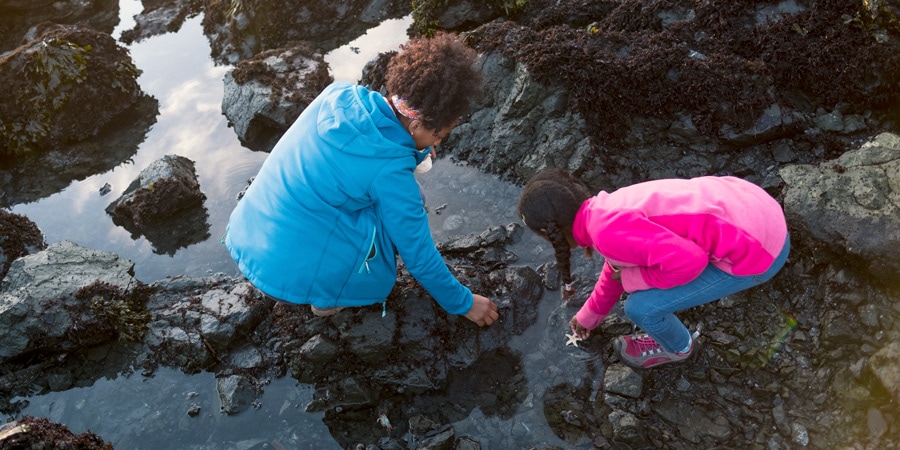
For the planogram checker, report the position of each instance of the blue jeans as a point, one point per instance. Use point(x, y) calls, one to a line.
point(653, 309)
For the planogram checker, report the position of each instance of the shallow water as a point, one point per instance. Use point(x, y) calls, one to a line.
point(136, 412)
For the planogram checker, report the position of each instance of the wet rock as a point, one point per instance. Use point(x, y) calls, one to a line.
point(236, 393)
point(466, 443)
point(371, 338)
point(40, 313)
point(227, 314)
point(348, 394)
point(163, 188)
point(521, 126)
point(419, 425)
point(850, 204)
point(704, 425)
point(466, 14)
point(199, 322)
point(19, 236)
point(774, 123)
point(441, 439)
point(626, 428)
point(622, 380)
point(486, 247)
point(265, 94)
point(165, 204)
point(63, 87)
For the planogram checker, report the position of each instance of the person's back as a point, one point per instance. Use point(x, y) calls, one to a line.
point(310, 212)
point(337, 199)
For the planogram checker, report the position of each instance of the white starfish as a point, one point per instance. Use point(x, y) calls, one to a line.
point(573, 339)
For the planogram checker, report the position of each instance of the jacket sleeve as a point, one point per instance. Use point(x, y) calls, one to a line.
point(405, 220)
point(605, 295)
point(657, 257)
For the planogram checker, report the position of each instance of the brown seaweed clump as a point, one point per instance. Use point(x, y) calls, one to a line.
point(723, 62)
point(19, 236)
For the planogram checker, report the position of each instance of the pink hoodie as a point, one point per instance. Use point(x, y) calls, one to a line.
point(663, 233)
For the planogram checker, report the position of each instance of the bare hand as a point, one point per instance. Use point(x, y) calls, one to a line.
point(579, 330)
point(483, 311)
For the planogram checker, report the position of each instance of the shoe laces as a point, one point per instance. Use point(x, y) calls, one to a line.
point(646, 344)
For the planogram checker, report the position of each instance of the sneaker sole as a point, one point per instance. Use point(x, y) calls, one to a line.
point(325, 312)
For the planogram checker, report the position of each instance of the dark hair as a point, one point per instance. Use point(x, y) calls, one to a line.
point(548, 206)
point(437, 76)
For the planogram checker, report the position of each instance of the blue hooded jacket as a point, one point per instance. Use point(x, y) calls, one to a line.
point(331, 204)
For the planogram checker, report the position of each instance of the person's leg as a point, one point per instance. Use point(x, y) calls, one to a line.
point(653, 310)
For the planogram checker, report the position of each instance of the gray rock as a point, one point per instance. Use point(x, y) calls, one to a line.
point(885, 364)
point(371, 339)
point(626, 427)
point(852, 204)
point(521, 126)
point(623, 380)
point(165, 204)
point(319, 350)
point(165, 187)
point(696, 423)
point(265, 94)
point(458, 14)
point(236, 393)
point(38, 310)
point(441, 439)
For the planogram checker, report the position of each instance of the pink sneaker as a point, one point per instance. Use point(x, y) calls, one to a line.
point(642, 352)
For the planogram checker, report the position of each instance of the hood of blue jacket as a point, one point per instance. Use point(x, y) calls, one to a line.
point(360, 122)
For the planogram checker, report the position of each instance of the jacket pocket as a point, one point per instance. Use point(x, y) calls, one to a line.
point(373, 252)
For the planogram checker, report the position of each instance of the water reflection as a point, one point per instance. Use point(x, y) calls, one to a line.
point(498, 400)
point(151, 413)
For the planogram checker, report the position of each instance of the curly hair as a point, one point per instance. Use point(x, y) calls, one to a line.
point(437, 76)
point(548, 206)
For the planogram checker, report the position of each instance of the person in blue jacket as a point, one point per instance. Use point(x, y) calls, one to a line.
point(336, 200)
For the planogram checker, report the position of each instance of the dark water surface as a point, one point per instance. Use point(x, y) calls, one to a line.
point(134, 412)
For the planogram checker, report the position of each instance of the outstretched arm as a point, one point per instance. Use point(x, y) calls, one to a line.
point(483, 311)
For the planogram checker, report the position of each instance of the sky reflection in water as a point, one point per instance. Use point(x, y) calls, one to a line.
point(137, 412)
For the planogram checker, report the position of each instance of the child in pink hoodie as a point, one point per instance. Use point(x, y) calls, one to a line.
point(671, 244)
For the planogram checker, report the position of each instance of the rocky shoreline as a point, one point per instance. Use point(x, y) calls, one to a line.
point(807, 360)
